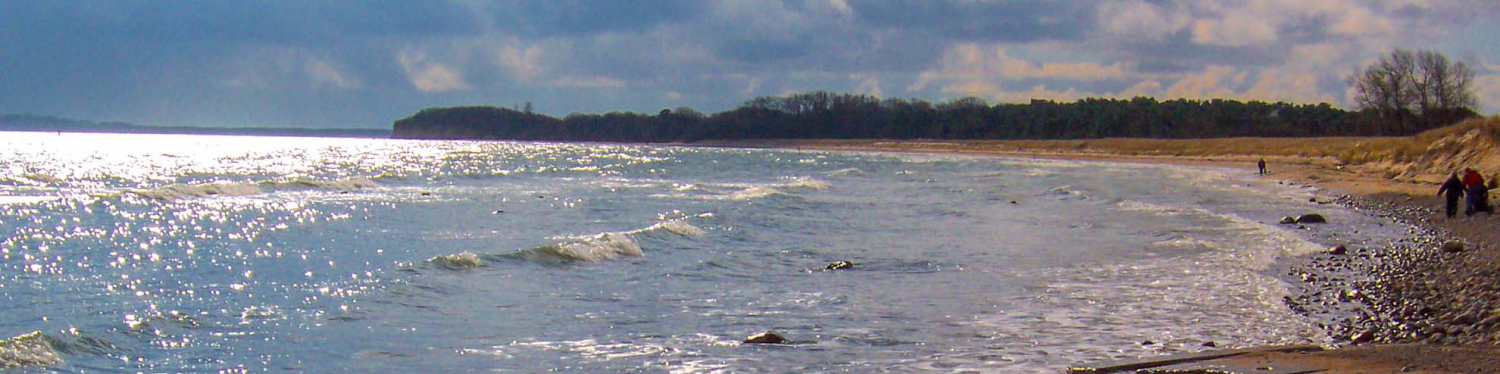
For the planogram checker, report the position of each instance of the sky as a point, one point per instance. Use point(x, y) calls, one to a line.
point(366, 63)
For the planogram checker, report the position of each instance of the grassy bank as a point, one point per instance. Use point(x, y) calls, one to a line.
point(1427, 157)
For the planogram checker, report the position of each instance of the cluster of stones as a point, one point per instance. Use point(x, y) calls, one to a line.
point(1430, 288)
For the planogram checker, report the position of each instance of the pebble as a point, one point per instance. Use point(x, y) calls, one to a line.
point(1411, 291)
point(1453, 247)
point(1338, 250)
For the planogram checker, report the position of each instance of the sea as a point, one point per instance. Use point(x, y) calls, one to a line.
point(239, 254)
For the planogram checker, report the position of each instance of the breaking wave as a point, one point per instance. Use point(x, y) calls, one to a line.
point(33, 349)
point(187, 191)
point(846, 172)
point(592, 248)
point(742, 191)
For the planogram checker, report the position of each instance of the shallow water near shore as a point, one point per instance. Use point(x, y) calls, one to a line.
point(205, 253)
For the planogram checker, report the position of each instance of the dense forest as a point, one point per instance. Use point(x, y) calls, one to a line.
point(826, 115)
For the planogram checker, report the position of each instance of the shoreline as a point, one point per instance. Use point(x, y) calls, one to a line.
point(1416, 307)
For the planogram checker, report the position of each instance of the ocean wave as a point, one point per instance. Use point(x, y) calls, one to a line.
point(214, 189)
point(1154, 209)
point(846, 172)
point(21, 200)
point(33, 349)
point(742, 191)
point(591, 248)
point(457, 261)
point(602, 247)
point(1067, 192)
point(1185, 243)
point(28, 179)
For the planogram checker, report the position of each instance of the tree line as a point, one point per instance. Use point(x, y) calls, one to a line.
point(1402, 93)
point(827, 115)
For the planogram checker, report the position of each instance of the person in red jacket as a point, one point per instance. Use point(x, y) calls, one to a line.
point(1477, 195)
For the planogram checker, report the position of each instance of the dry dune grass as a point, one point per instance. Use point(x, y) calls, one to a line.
point(1431, 155)
point(1425, 157)
point(1416, 160)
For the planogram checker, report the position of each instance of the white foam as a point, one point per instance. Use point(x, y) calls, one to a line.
point(7, 200)
point(1140, 206)
point(186, 191)
point(846, 172)
point(41, 178)
point(346, 184)
point(602, 247)
point(28, 350)
point(679, 227)
point(753, 193)
point(463, 260)
point(803, 182)
point(182, 191)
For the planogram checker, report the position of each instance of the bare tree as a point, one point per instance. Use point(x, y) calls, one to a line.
point(1404, 82)
point(1446, 85)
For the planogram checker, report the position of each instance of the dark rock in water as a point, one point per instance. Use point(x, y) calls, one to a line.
point(499, 211)
point(1147, 342)
point(1363, 337)
point(1312, 218)
point(1288, 220)
point(1210, 344)
point(768, 337)
point(1013, 202)
point(839, 265)
point(426, 193)
point(1453, 247)
point(1338, 250)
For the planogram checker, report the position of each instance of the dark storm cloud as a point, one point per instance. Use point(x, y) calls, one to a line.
point(571, 18)
point(287, 22)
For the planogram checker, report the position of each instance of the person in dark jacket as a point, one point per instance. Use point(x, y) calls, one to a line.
point(1454, 190)
point(1262, 165)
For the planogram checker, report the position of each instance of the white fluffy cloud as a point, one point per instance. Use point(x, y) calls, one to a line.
point(1135, 19)
point(966, 67)
point(1487, 90)
point(429, 76)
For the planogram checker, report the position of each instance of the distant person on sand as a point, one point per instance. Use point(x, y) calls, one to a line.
point(1454, 189)
point(1476, 200)
point(1262, 165)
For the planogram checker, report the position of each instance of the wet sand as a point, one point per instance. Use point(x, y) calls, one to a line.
point(1411, 306)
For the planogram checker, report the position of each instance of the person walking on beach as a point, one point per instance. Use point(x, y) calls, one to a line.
point(1454, 189)
point(1474, 184)
point(1262, 165)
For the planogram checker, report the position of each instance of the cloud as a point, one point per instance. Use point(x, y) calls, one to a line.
point(323, 73)
point(1136, 19)
point(428, 76)
point(522, 62)
point(965, 64)
point(982, 21)
point(382, 59)
point(588, 82)
point(1234, 30)
point(1487, 90)
point(869, 84)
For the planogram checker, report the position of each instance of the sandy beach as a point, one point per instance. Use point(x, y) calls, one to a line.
point(1423, 306)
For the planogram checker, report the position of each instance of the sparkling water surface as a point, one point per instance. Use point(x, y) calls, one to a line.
point(168, 253)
